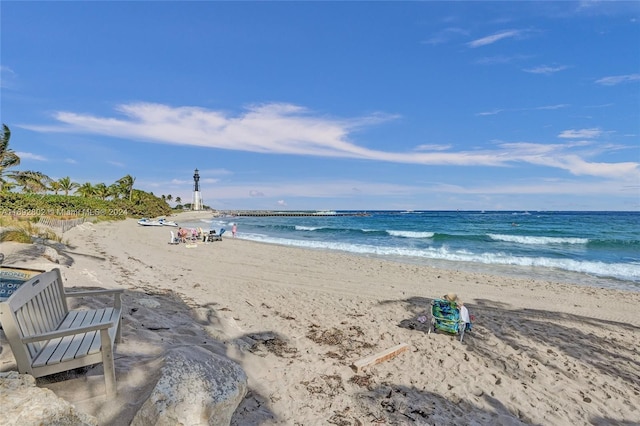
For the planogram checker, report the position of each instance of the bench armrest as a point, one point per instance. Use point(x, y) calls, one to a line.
point(93, 292)
point(117, 301)
point(69, 332)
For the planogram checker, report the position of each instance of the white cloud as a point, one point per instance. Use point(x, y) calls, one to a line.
point(494, 38)
point(561, 156)
point(30, 156)
point(432, 147)
point(580, 134)
point(540, 108)
point(492, 112)
point(618, 79)
point(290, 129)
point(552, 107)
point(546, 70)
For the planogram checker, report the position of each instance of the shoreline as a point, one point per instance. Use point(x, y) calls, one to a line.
point(295, 319)
point(506, 270)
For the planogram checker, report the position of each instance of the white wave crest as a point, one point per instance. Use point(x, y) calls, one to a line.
point(308, 228)
point(623, 271)
point(523, 239)
point(410, 234)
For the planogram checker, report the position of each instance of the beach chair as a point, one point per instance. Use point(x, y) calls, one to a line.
point(213, 236)
point(174, 239)
point(449, 317)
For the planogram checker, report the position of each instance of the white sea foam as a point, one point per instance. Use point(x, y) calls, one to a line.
point(524, 239)
point(621, 271)
point(308, 228)
point(410, 234)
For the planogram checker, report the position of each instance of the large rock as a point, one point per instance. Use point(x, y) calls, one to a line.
point(196, 387)
point(24, 404)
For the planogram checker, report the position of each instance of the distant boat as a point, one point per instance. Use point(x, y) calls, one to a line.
point(149, 222)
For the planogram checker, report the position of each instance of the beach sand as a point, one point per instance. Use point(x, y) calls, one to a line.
point(297, 319)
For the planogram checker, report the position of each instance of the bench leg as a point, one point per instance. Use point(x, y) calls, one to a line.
point(107, 363)
point(119, 331)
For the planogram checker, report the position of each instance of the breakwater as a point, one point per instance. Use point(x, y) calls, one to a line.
point(254, 213)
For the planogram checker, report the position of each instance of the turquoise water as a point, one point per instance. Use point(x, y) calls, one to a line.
point(592, 248)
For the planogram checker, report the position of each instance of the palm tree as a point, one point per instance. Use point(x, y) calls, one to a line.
point(178, 200)
point(126, 183)
point(30, 181)
point(136, 197)
point(114, 191)
point(55, 187)
point(86, 190)
point(8, 158)
point(66, 185)
point(101, 191)
point(8, 186)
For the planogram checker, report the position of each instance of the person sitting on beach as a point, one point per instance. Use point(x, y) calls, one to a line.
point(182, 235)
point(464, 312)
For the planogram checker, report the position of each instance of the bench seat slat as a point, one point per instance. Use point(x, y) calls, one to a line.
point(69, 343)
point(63, 349)
point(53, 349)
point(93, 345)
point(72, 351)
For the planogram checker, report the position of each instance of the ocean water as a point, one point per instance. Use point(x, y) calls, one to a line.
point(590, 248)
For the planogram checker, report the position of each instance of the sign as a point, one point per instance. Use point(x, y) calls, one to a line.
point(12, 277)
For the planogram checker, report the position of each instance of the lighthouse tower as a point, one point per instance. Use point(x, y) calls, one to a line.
point(197, 198)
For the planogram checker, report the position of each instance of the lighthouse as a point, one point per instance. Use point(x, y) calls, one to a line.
point(197, 198)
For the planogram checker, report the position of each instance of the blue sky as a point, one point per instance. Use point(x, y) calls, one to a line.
point(332, 105)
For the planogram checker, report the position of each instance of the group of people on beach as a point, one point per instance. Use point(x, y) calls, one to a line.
point(185, 234)
point(196, 234)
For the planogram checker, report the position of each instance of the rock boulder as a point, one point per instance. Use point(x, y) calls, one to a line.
point(196, 387)
point(24, 404)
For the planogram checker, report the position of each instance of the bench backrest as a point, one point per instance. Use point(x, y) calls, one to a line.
point(38, 306)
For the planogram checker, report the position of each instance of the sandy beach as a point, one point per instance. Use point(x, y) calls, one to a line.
point(296, 320)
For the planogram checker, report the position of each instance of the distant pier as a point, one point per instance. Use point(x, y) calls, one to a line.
point(264, 213)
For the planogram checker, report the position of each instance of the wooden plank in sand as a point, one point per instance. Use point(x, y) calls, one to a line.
point(379, 357)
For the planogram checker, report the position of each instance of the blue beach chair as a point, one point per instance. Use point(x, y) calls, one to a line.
point(445, 316)
point(212, 236)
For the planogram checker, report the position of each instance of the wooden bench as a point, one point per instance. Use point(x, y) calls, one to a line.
point(46, 337)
